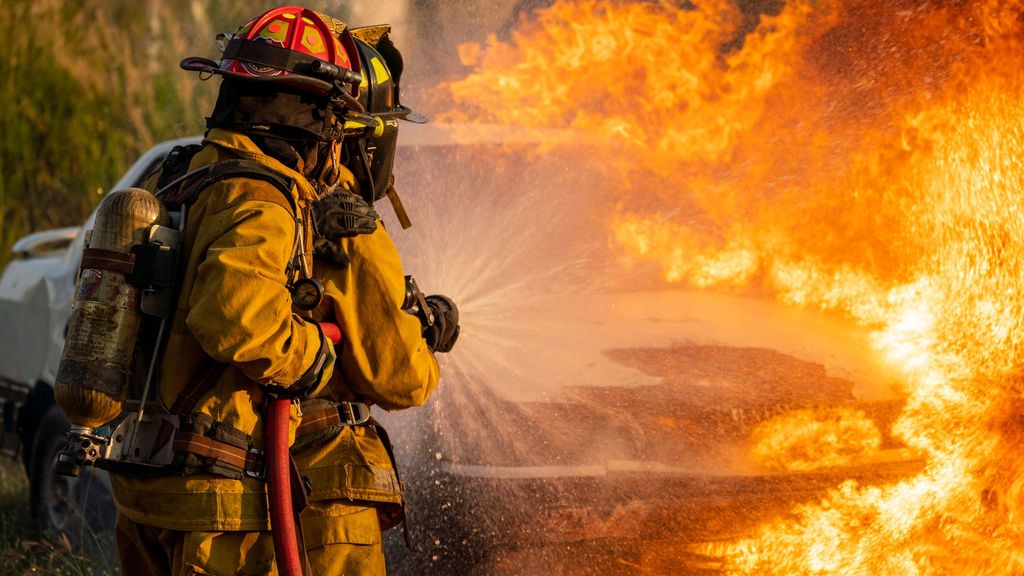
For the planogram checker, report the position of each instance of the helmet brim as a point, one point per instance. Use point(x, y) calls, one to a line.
point(205, 65)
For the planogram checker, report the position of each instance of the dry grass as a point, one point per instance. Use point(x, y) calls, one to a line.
point(23, 550)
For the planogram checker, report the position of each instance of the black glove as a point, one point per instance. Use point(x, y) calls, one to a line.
point(443, 333)
point(340, 215)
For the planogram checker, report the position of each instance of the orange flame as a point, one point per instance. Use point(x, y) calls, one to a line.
point(862, 157)
point(805, 440)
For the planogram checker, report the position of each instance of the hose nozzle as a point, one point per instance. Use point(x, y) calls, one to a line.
point(416, 304)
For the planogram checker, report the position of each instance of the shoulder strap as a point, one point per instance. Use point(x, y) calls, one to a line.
point(175, 164)
point(194, 390)
point(186, 188)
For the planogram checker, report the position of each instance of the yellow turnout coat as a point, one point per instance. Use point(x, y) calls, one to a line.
point(235, 310)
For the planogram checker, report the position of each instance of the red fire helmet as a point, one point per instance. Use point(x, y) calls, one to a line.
point(289, 44)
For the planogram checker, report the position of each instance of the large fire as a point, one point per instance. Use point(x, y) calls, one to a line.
point(863, 157)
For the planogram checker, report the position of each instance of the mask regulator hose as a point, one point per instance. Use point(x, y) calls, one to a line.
point(283, 520)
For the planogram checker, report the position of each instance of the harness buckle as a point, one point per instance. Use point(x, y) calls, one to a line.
point(354, 413)
point(259, 468)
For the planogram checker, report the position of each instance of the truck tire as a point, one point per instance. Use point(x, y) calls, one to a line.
point(81, 509)
point(39, 401)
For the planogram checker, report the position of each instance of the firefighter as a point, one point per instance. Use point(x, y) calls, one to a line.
point(246, 326)
point(343, 454)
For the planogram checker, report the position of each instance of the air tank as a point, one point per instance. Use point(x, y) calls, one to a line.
point(95, 368)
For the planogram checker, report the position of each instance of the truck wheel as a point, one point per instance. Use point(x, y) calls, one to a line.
point(39, 401)
point(82, 509)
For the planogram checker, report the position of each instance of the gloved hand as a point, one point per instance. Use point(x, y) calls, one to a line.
point(443, 333)
point(339, 215)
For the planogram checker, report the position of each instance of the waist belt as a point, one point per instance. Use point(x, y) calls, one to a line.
point(251, 461)
point(344, 413)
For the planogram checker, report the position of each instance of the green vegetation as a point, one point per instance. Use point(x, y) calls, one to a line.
point(86, 86)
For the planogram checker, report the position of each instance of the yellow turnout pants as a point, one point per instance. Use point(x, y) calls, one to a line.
point(341, 540)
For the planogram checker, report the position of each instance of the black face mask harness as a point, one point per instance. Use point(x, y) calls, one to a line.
point(294, 126)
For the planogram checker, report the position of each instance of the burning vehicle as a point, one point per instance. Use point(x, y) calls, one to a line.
point(663, 446)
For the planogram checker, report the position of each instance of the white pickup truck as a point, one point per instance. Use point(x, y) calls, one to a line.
point(577, 426)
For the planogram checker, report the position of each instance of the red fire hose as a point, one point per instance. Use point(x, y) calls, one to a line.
point(282, 515)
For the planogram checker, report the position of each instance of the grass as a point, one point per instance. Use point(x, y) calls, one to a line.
point(23, 550)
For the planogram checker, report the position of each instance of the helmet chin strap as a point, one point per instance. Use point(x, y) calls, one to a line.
point(340, 97)
point(327, 172)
